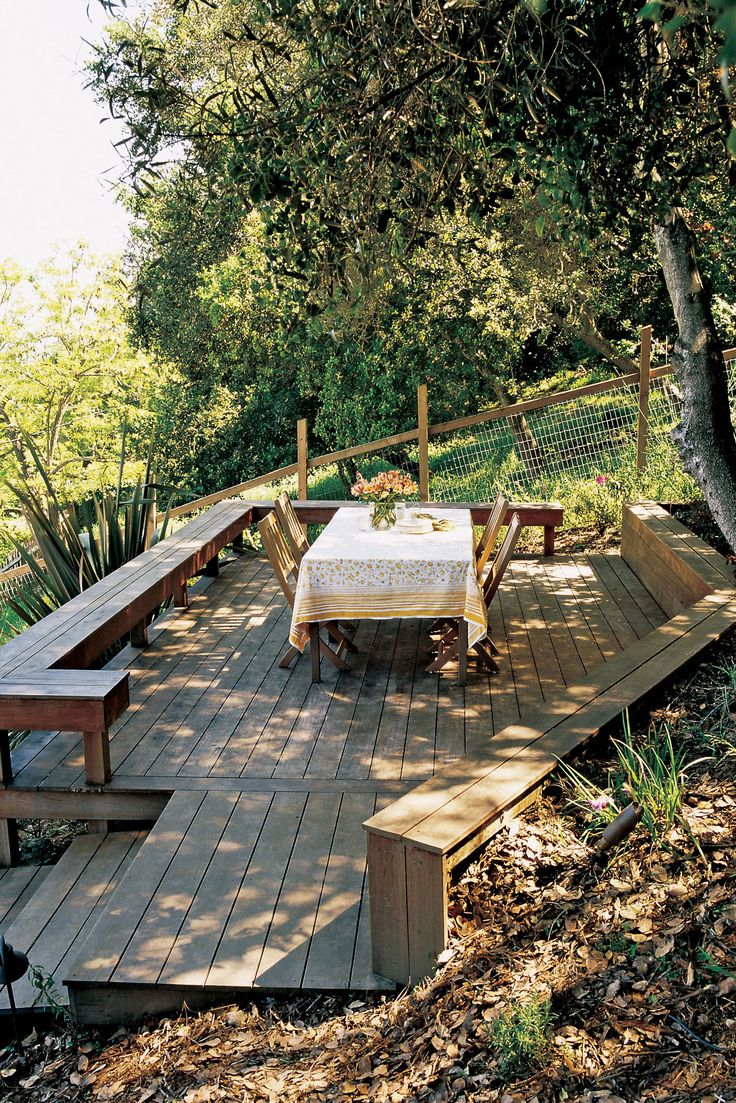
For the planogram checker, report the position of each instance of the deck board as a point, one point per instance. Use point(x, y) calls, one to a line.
point(254, 876)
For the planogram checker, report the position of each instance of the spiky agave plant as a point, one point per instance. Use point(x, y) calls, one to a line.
point(71, 553)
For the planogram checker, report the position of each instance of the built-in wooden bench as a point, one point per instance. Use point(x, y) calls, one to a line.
point(44, 682)
point(414, 843)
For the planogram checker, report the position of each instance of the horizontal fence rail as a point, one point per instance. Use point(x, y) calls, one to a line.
point(636, 422)
point(524, 440)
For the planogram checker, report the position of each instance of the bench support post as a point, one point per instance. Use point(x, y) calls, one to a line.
point(9, 848)
point(549, 539)
point(181, 597)
point(212, 567)
point(139, 634)
point(97, 757)
point(408, 902)
point(426, 897)
point(387, 888)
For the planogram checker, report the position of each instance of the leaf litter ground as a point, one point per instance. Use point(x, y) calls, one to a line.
point(636, 955)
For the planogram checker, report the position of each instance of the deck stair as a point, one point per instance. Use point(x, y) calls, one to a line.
point(233, 891)
point(50, 910)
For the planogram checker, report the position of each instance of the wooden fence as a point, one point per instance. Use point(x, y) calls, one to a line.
point(424, 432)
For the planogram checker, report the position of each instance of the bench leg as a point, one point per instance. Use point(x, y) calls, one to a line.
point(426, 907)
point(98, 827)
point(97, 757)
point(9, 848)
point(212, 567)
point(387, 893)
point(549, 539)
point(9, 845)
point(181, 597)
point(238, 543)
point(139, 634)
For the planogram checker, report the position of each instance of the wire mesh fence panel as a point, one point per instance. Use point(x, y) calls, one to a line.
point(526, 455)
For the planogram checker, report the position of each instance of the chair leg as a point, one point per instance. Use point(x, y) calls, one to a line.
point(333, 656)
point(288, 655)
point(340, 638)
point(315, 646)
point(484, 657)
point(446, 655)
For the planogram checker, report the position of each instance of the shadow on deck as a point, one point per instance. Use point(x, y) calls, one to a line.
point(254, 875)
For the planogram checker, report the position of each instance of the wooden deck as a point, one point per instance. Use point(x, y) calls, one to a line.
point(254, 875)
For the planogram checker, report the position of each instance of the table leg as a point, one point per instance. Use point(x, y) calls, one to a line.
point(462, 657)
point(314, 649)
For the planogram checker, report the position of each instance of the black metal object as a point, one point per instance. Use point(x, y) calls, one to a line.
point(13, 965)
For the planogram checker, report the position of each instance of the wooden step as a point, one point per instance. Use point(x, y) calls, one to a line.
point(56, 919)
point(234, 892)
point(17, 886)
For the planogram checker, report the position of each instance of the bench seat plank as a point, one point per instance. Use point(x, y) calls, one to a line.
point(62, 701)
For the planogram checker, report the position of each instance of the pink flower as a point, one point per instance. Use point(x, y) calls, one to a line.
point(600, 802)
point(601, 480)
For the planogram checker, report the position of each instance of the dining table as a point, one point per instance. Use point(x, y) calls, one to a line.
point(354, 572)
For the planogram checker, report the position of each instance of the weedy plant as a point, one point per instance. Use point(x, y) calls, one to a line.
point(48, 994)
point(596, 806)
point(654, 775)
point(520, 1036)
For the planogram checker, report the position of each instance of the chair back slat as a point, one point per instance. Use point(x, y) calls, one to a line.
point(501, 561)
point(490, 533)
point(279, 553)
point(290, 524)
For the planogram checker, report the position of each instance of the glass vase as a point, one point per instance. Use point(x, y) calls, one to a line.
point(383, 514)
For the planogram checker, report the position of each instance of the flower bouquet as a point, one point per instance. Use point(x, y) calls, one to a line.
point(383, 491)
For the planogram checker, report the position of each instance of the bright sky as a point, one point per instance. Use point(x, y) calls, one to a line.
point(54, 153)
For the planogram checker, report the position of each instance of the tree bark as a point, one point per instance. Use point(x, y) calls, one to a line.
point(585, 329)
point(705, 435)
point(526, 443)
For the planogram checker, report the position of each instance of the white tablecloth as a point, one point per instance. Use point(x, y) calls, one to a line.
point(353, 572)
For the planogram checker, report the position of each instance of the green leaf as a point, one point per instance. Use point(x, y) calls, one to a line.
point(731, 143)
point(650, 11)
point(539, 225)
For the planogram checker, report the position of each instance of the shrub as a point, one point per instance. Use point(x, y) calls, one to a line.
point(520, 1036)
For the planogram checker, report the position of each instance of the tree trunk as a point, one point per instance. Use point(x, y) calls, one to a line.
point(526, 443)
point(585, 329)
point(705, 436)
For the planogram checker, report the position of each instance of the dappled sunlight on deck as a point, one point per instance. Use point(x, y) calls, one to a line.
point(255, 875)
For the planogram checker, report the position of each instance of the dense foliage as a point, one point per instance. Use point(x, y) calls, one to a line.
point(347, 200)
point(70, 379)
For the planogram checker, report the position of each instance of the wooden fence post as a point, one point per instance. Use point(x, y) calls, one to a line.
point(423, 426)
point(301, 459)
point(642, 428)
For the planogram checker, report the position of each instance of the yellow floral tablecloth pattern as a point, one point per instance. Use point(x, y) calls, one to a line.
point(352, 572)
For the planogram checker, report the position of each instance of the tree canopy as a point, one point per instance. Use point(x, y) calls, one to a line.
point(350, 129)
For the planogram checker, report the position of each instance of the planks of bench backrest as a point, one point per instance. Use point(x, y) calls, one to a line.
point(676, 566)
point(82, 628)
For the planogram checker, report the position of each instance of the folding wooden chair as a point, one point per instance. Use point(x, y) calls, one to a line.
point(483, 550)
point(451, 643)
point(296, 536)
point(285, 568)
point(489, 536)
point(289, 522)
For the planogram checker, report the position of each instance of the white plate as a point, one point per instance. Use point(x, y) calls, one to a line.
point(416, 528)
